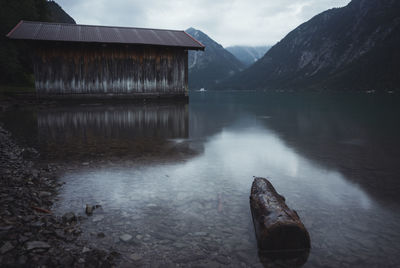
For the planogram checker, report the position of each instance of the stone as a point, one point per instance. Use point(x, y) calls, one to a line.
point(101, 235)
point(135, 257)
point(44, 194)
point(223, 260)
point(36, 245)
point(200, 234)
point(98, 218)
point(179, 245)
point(6, 248)
point(85, 249)
point(139, 236)
point(69, 217)
point(29, 218)
point(37, 224)
point(89, 210)
point(35, 173)
point(125, 237)
point(22, 239)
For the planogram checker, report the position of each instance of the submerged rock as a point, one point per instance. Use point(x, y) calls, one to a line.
point(125, 237)
point(30, 235)
point(98, 218)
point(89, 210)
point(135, 257)
point(69, 217)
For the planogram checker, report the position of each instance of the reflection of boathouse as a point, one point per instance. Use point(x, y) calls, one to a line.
point(123, 130)
point(98, 61)
point(166, 121)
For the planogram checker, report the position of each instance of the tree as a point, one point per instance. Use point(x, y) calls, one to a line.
point(15, 58)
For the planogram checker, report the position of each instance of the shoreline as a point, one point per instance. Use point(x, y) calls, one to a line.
point(31, 235)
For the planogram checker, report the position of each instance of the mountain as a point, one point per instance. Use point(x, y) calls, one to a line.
point(208, 68)
point(355, 47)
point(15, 57)
point(57, 14)
point(247, 54)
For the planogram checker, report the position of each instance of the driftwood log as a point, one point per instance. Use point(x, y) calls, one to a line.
point(277, 227)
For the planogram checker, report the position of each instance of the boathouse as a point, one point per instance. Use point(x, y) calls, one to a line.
point(72, 60)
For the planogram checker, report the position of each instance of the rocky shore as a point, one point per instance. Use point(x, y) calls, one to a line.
point(30, 235)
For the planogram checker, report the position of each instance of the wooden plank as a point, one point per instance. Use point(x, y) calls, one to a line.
point(95, 69)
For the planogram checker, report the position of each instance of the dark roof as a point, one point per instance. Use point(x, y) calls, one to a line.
point(44, 31)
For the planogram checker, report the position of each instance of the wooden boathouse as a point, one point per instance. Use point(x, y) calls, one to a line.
point(75, 61)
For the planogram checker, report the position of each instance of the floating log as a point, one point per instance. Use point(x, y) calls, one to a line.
point(277, 227)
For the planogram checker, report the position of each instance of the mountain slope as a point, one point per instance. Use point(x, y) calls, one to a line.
point(349, 48)
point(247, 54)
point(207, 68)
point(57, 14)
point(15, 57)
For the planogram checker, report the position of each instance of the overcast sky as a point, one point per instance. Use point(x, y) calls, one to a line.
point(229, 22)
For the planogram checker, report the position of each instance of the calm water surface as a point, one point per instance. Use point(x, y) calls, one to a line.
point(177, 177)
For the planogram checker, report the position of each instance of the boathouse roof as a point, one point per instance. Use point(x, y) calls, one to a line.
point(45, 31)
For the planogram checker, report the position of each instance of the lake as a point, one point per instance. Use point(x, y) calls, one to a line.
point(173, 179)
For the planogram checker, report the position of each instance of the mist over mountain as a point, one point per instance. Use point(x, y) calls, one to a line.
point(248, 54)
point(208, 68)
point(355, 47)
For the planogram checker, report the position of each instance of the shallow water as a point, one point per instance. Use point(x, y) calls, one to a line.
point(176, 177)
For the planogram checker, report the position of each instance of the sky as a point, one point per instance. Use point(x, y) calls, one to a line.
point(229, 22)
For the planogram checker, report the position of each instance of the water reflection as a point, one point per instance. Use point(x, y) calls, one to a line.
point(99, 131)
point(200, 208)
point(356, 134)
point(334, 158)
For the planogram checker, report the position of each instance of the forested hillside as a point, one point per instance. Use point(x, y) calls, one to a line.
point(15, 56)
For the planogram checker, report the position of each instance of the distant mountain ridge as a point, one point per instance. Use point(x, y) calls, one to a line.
point(210, 67)
point(351, 48)
point(248, 54)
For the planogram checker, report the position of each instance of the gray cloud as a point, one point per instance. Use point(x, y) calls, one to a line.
point(229, 22)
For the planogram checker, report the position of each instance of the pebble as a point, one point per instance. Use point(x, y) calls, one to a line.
point(135, 257)
point(29, 238)
point(139, 236)
point(69, 217)
point(125, 237)
point(98, 218)
point(36, 245)
point(44, 194)
point(200, 234)
point(89, 209)
point(179, 245)
point(6, 248)
point(85, 249)
point(101, 235)
point(222, 260)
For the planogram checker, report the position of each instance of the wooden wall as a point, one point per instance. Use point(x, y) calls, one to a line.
point(63, 69)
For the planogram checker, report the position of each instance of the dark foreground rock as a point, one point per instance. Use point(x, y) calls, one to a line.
point(30, 235)
point(277, 226)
